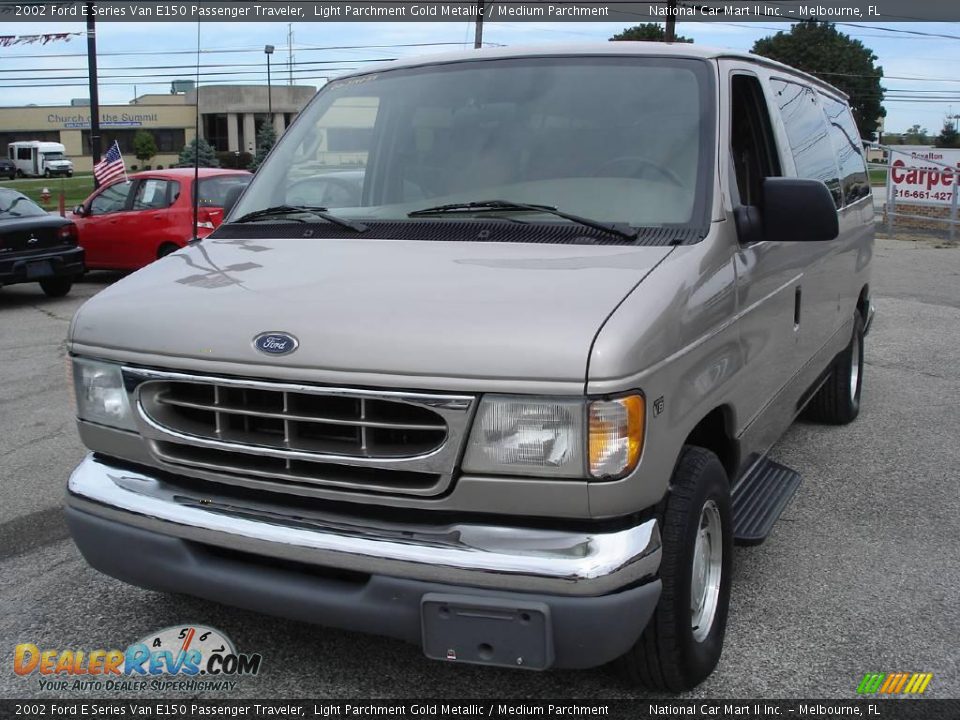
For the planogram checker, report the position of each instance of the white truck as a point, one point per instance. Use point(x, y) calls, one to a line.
point(34, 158)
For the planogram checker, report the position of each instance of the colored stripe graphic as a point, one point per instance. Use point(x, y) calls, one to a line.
point(871, 683)
point(894, 683)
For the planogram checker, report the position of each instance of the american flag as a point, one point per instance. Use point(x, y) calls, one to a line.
point(110, 166)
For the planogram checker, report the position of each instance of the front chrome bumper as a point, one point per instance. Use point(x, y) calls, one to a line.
point(569, 563)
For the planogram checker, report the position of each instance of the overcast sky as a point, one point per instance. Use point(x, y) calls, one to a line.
point(905, 58)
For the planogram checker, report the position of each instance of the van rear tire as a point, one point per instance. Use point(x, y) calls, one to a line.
point(837, 402)
point(683, 641)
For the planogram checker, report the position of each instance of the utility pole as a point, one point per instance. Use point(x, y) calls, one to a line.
point(290, 51)
point(95, 146)
point(671, 33)
point(478, 33)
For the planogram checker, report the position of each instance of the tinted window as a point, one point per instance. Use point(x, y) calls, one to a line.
point(14, 204)
point(24, 153)
point(213, 191)
point(808, 135)
point(849, 149)
point(112, 199)
point(155, 194)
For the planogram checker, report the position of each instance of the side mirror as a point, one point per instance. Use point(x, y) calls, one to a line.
point(230, 200)
point(796, 210)
point(78, 210)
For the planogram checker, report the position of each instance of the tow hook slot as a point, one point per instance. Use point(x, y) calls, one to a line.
point(486, 631)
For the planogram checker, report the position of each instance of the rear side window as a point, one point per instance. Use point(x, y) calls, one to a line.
point(808, 135)
point(213, 190)
point(24, 153)
point(849, 149)
point(155, 194)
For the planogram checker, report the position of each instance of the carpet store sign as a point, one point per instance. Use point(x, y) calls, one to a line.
point(925, 177)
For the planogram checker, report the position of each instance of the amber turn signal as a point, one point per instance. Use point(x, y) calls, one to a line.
point(616, 435)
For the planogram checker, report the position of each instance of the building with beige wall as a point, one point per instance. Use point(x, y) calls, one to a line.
point(230, 116)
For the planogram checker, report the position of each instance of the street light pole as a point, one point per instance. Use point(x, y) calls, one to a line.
point(269, 51)
point(671, 32)
point(95, 146)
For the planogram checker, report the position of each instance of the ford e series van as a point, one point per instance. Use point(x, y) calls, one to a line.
point(489, 356)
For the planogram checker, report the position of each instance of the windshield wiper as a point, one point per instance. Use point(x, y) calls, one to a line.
point(493, 205)
point(319, 212)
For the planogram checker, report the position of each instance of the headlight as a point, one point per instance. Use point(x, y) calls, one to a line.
point(556, 437)
point(101, 397)
point(535, 436)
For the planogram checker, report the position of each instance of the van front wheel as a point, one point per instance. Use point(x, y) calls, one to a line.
point(684, 639)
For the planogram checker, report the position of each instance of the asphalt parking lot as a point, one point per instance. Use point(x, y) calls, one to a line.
point(860, 575)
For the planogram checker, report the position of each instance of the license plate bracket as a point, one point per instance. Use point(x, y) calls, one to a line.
point(40, 269)
point(487, 631)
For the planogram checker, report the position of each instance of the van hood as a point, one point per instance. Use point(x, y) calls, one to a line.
point(435, 309)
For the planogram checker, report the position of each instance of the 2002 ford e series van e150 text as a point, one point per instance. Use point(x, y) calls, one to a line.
point(489, 356)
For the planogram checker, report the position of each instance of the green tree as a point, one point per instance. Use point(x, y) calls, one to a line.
point(820, 49)
point(948, 137)
point(144, 146)
point(915, 135)
point(198, 147)
point(266, 138)
point(648, 31)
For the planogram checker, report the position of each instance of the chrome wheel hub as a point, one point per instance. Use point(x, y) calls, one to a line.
point(706, 571)
point(854, 367)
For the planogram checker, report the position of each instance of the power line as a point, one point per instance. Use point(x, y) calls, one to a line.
point(206, 65)
point(217, 51)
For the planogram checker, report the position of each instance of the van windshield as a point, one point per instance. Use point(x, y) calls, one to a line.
point(615, 139)
point(56, 155)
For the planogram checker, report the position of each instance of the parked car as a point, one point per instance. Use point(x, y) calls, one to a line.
point(132, 222)
point(36, 246)
point(7, 169)
point(513, 401)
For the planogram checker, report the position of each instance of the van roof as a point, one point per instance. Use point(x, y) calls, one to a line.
point(36, 143)
point(647, 49)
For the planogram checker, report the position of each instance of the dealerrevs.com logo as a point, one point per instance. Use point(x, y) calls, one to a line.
point(896, 683)
point(183, 657)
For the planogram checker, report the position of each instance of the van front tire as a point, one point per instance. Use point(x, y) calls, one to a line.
point(683, 641)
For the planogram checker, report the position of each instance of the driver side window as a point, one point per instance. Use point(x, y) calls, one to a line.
point(113, 199)
point(752, 146)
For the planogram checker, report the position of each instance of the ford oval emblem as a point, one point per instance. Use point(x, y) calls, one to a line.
point(275, 343)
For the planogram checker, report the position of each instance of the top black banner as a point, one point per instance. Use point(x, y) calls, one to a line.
point(619, 11)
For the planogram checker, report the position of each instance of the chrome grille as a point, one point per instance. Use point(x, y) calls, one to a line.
point(302, 434)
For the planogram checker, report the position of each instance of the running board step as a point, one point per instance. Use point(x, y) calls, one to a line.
point(760, 498)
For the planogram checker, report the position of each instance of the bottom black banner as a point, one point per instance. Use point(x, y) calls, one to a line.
point(904, 709)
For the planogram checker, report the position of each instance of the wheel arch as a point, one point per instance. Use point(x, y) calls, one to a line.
point(714, 432)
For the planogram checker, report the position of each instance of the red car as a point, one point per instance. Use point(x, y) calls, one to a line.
point(131, 223)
